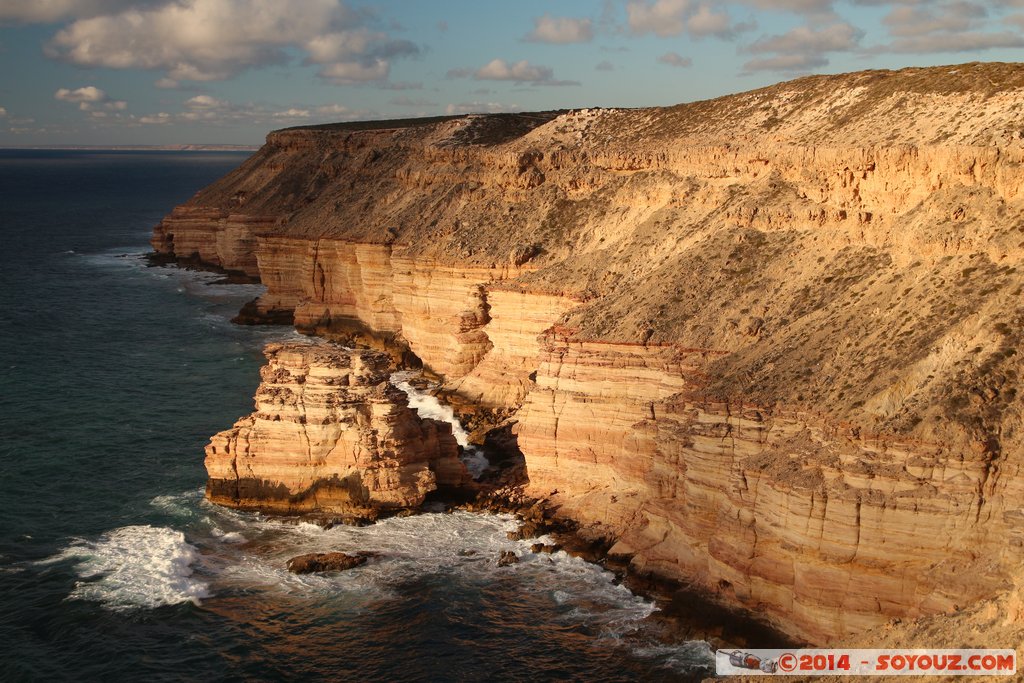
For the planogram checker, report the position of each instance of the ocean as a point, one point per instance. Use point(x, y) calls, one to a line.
point(113, 375)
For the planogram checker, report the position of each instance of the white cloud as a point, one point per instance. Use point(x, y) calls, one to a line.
point(401, 85)
point(403, 101)
point(206, 103)
point(970, 41)
point(346, 73)
point(292, 113)
point(837, 37)
point(518, 72)
point(46, 11)
point(480, 108)
point(707, 22)
point(675, 59)
point(333, 110)
point(209, 40)
point(167, 83)
point(157, 119)
point(340, 45)
point(604, 65)
point(500, 70)
point(86, 94)
point(667, 18)
point(802, 6)
point(662, 17)
point(789, 63)
point(915, 20)
point(356, 56)
point(3, 112)
point(90, 98)
point(210, 110)
point(561, 30)
point(803, 47)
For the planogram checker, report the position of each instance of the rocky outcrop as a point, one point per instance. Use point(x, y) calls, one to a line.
point(766, 344)
point(212, 237)
point(507, 558)
point(330, 434)
point(312, 563)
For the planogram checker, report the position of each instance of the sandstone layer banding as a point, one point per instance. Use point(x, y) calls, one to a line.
point(330, 434)
point(768, 344)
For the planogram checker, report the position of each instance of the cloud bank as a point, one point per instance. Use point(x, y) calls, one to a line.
point(213, 40)
point(560, 30)
point(90, 98)
point(517, 72)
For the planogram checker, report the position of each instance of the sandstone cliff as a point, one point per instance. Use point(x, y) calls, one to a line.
point(766, 343)
point(330, 434)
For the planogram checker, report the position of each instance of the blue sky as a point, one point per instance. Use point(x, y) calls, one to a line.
point(228, 71)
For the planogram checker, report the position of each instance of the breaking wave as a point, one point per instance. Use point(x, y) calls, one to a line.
point(135, 567)
point(247, 553)
point(428, 406)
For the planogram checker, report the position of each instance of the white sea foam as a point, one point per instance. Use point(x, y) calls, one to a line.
point(461, 544)
point(429, 407)
point(229, 536)
point(182, 505)
point(249, 552)
point(205, 284)
point(687, 657)
point(135, 566)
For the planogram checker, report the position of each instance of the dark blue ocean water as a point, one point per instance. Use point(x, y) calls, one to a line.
point(112, 566)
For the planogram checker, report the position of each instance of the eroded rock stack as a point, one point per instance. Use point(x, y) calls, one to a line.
point(330, 434)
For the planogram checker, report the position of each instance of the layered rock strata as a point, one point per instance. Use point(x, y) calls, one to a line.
point(819, 528)
point(330, 434)
point(768, 344)
point(457, 320)
point(213, 237)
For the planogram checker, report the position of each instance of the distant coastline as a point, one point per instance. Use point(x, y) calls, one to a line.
point(141, 148)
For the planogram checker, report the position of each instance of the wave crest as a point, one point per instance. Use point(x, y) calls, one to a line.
point(136, 566)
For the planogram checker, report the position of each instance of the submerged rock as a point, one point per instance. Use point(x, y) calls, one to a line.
point(530, 529)
point(545, 548)
point(507, 557)
point(324, 562)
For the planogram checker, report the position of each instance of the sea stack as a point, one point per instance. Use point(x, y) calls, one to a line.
point(330, 434)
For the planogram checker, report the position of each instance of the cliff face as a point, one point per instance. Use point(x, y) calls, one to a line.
point(211, 236)
point(767, 343)
point(825, 529)
point(330, 434)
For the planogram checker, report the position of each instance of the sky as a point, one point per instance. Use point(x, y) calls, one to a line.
point(111, 72)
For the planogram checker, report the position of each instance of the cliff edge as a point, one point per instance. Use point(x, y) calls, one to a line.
point(767, 344)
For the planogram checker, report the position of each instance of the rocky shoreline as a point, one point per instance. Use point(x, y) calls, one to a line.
point(310, 376)
point(684, 613)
